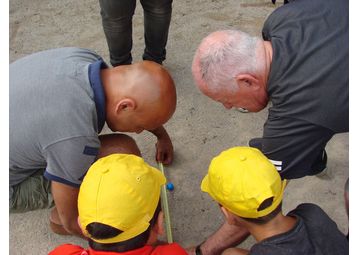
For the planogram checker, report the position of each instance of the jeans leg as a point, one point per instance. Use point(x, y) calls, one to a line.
point(117, 26)
point(157, 16)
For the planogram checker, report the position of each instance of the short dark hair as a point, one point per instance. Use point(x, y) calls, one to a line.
point(102, 231)
point(264, 219)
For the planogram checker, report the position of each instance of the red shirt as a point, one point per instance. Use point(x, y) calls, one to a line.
point(168, 249)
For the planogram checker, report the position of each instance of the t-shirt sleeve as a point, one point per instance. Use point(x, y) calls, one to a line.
point(172, 249)
point(69, 160)
point(69, 249)
point(315, 217)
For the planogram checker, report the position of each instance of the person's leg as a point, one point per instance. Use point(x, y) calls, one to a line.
point(295, 147)
point(117, 26)
point(157, 16)
point(34, 193)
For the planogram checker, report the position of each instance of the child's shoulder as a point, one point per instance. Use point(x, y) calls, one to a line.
point(69, 249)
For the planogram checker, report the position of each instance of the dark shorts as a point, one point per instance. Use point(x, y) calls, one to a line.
point(33, 193)
point(292, 146)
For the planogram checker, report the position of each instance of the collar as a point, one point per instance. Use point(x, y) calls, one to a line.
point(94, 75)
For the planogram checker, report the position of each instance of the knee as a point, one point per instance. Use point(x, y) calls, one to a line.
point(117, 10)
point(117, 24)
point(118, 143)
point(158, 7)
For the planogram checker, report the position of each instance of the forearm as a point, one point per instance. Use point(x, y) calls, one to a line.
point(72, 227)
point(65, 198)
point(160, 133)
point(227, 236)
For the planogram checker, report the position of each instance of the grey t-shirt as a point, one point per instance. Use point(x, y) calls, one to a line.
point(53, 115)
point(309, 77)
point(313, 233)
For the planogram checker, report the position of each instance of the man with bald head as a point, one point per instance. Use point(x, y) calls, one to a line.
point(301, 65)
point(59, 102)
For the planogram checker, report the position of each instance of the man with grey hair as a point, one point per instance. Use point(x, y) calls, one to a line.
point(301, 66)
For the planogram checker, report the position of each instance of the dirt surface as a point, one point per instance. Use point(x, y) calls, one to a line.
point(200, 128)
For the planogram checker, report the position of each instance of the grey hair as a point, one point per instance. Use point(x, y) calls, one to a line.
point(222, 59)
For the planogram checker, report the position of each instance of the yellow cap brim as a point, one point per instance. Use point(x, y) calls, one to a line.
point(205, 184)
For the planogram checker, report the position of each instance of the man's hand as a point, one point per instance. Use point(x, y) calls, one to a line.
point(165, 150)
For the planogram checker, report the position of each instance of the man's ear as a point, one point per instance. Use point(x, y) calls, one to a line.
point(125, 105)
point(248, 80)
point(158, 227)
point(230, 217)
point(79, 224)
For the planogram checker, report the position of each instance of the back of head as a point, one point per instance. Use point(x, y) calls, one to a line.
point(241, 179)
point(153, 87)
point(221, 57)
point(120, 193)
point(142, 95)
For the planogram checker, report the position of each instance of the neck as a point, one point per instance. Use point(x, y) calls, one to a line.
point(268, 57)
point(278, 225)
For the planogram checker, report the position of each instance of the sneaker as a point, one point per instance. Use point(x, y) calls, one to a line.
point(242, 110)
point(255, 143)
point(319, 165)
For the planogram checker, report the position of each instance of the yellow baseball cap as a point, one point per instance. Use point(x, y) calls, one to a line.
point(121, 191)
point(240, 179)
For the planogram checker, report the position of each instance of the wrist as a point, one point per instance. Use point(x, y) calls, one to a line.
point(198, 250)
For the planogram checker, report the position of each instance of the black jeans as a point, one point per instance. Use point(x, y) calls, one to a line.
point(117, 25)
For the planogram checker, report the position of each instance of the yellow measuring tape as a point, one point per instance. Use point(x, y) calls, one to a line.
point(166, 208)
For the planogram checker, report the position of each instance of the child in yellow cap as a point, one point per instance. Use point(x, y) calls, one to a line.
point(119, 209)
point(249, 191)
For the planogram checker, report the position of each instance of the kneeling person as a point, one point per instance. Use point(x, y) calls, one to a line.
point(119, 209)
point(249, 191)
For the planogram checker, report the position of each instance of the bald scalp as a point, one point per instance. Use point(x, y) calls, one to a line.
point(145, 88)
point(152, 86)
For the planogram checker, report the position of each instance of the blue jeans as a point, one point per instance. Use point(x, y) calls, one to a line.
point(117, 25)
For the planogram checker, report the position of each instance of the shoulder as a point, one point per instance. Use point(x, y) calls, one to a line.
point(69, 249)
point(308, 208)
point(313, 215)
point(172, 249)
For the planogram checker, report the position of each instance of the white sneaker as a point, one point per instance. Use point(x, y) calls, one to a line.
point(242, 110)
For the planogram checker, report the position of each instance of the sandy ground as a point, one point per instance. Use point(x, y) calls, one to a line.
point(200, 128)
